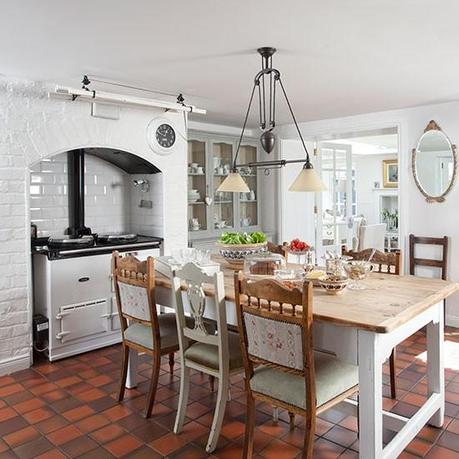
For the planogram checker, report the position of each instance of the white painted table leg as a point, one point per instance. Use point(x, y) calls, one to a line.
point(370, 396)
point(275, 414)
point(435, 365)
point(131, 380)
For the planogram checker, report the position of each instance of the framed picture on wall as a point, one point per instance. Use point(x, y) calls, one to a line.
point(390, 173)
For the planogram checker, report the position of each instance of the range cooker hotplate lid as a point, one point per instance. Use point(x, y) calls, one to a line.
point(114, 238)
point(68, 242)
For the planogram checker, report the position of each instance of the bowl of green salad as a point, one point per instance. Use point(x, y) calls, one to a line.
point(235, 246)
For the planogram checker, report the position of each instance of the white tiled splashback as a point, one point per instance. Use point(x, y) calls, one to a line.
point(112, 203)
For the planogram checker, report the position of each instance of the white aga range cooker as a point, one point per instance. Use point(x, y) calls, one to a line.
point(73, 288)
point(72, 275)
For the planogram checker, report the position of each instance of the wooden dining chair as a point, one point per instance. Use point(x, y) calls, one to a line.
point(141, 327)
point(442, 263)
point(281, 366)
point(388, 263)
point(214, 352)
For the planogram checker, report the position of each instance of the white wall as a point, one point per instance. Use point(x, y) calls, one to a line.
point(33, 127)
point(368, 170)
point(416, 215)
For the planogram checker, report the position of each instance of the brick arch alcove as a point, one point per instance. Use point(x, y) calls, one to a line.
point(34, 127)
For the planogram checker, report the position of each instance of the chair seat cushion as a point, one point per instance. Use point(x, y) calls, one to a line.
point(142, 335)
point(207, 354)
point(333, 377)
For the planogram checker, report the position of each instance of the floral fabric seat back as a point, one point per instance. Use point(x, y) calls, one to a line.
point(275, 322)
point(134, 285)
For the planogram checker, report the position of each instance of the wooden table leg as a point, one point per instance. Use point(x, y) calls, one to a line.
point(370, 396)
point(131, 380)
point(435, 364)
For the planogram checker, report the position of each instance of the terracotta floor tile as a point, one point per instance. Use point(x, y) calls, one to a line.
point(21, 436)
point(99, 380)
point(279, 449)
point(167, 444)
point(64, 435)
point(117, 412)
point(28, 405)
point(33, 448)
point(12, 425)
point(68, 381)
point(51, 424)
point(326, 449)
point(72, 405)
point(78, 446)
point(438, 452)
point(43, 388)
point(92, 423)
point(107, 433)
point(449, 440)
point(40, 414)
point(123, 445)
point(6, 380)
point(150, 431)
point(54, 395)
point(341, 436)
point(7, 413)
point(52, 454)
point(10, 389)
point(78, 413)
point(90, 395)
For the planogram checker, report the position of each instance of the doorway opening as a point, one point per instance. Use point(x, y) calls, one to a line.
point(360, 208)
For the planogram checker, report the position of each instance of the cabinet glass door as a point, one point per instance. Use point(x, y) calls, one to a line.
point(222, 157)
point(248, 202)
point(197, 186)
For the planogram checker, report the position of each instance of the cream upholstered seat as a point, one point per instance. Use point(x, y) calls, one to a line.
point(142, 334)
point(333, 377)
point(207, 354)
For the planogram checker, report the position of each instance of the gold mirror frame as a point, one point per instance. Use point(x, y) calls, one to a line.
point(433, 126)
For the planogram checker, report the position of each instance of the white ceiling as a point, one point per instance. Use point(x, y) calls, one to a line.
point(337, 57)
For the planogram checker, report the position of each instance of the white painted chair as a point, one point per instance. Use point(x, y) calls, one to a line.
point(372, 237)
point(217, 355)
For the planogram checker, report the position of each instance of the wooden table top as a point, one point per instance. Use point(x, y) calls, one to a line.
point(388, 301)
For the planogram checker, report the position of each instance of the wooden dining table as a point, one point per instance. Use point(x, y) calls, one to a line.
point(362, 327)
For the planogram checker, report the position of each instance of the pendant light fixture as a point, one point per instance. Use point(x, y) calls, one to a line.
point(266, 82)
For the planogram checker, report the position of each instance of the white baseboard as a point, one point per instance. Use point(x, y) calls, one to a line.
point(20, 362)
point(452, 321)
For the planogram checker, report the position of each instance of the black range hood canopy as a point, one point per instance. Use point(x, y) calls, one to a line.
point(130, 163)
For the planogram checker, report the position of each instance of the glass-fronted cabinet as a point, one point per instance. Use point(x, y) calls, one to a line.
point(198, 186)
point(222, 159)
point(248, 202)
point(211, 212)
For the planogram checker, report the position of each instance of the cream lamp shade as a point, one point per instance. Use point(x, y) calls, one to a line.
point(307, 180)
point(234, 183)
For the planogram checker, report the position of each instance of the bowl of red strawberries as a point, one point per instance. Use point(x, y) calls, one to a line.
point(298, 247)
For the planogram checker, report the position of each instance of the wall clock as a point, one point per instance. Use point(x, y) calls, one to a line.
point(162, 135)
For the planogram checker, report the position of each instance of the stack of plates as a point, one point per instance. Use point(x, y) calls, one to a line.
point(193, 195)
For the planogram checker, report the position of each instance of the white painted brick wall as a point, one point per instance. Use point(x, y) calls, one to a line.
point(34, 127)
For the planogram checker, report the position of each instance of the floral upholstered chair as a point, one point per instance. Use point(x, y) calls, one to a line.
point(216, 353)
point(141, 327)
point(281, 367)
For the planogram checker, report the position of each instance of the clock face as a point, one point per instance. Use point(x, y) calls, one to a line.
point(165, 135)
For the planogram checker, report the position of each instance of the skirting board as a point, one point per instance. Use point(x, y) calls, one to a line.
point(14, 364)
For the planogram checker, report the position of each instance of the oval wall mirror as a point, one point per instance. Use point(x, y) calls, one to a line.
point(434, 163)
